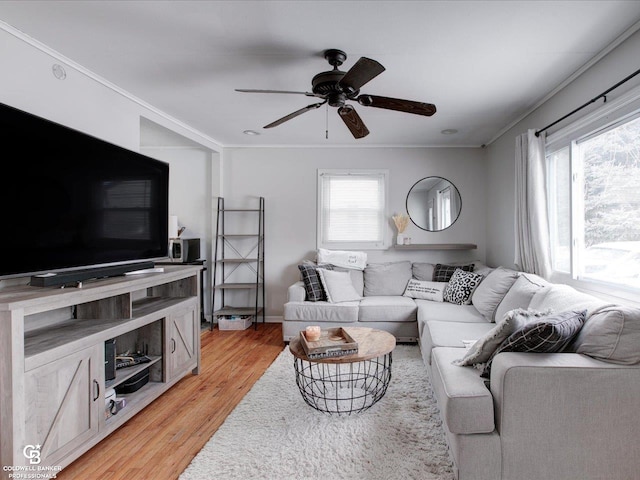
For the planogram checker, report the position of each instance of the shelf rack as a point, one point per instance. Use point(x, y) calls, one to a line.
point(229, 256)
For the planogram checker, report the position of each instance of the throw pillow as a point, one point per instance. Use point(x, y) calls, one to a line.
point(548, 334)
point(338, 286)
point(389, 278)
point(433, 291)
point(343, 258)
point(481, 351)
point(443, 273)
point(520, 294)
point(312, 284)
point(492, 290)
point(461, 287)
point(612, 335)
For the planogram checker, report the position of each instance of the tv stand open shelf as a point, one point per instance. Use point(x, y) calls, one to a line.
point(52, 354)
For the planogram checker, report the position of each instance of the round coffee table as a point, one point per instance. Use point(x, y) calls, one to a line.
point(347, 384)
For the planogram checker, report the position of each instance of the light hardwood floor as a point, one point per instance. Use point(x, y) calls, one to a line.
point(160, 442)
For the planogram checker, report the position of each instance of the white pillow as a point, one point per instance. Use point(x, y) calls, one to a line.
point(343, 258)
point(337, 285)
point(425, 290)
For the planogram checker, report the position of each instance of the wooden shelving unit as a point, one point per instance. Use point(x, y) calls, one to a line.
point(52, 357)
point(232, 253)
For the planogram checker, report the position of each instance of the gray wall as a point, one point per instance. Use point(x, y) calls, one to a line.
point(286, 177)
point(612, 68)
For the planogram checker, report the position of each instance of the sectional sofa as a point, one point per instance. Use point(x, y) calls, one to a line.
point(512, 415)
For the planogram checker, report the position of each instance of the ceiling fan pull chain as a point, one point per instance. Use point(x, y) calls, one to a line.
point(327, 123)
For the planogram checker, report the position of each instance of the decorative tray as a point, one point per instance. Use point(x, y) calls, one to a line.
point(333, 342)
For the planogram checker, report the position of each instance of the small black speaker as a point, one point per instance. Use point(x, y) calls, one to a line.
point(110, 359)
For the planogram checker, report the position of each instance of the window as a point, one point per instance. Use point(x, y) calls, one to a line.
point(594, 207)
point(352, 209)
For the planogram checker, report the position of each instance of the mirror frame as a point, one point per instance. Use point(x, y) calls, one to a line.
point(425, 228)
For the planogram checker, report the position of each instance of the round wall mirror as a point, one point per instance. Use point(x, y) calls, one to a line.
point(433, 204)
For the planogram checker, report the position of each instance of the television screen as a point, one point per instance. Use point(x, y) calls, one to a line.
point(72, 200)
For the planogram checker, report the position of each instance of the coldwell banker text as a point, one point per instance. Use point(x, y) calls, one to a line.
point(31, 471)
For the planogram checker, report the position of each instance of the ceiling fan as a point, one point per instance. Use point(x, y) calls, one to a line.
point(336, 87)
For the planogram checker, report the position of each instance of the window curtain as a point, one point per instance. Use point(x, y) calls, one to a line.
point(532, 246)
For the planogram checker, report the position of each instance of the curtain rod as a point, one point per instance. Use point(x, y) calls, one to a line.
point(594, 99)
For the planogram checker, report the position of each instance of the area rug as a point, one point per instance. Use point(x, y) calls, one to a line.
point(274, 434)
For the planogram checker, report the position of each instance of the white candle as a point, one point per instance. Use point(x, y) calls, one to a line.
point(313, 333)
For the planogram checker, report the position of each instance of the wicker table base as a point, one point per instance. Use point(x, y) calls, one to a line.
point(343, 388)
point(349, 384)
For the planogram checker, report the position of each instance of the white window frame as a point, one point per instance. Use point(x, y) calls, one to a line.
point(373, 245)
point(623, 109)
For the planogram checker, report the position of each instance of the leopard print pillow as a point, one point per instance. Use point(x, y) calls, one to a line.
point(461, 287)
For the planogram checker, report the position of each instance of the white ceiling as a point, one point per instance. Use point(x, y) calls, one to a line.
point(483, 63)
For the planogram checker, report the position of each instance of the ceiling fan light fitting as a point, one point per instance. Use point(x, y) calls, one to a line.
point(335, 57)
point(336, 99)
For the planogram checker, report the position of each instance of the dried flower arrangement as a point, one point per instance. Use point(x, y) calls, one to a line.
point(401, 221)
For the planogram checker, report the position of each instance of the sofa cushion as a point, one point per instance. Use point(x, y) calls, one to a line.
point(546, 334)
point(338, 286)
point(346, 312)
point(387, 309)
point(448, 312)
point(423, 271)
point(612, 334)
point(493, 288)
point(357, 279)
point(443, 273)
point(561, 297)
point(386, 278)
point(425, 290)
point(466, 404)
point(450, 334)
point(312, 284)
point(520, 294)
point(461, 286)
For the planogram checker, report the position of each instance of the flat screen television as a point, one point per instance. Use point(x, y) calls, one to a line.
point(72, 201)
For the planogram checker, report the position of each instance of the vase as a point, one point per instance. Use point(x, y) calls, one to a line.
point(400, 239)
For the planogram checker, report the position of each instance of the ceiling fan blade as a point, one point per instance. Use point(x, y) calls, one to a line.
point(353, 121)
point(362, 72)
point(408, 106)
point(250, 90)
point(294, 114)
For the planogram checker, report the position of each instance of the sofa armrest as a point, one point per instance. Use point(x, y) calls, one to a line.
point(296, 292)
point(577, 413)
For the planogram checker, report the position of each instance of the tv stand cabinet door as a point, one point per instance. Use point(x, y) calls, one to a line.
point(64, 403)
point(183, 342)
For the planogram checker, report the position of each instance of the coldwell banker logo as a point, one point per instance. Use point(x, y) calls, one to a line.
point(32, 452)
point(34, 469)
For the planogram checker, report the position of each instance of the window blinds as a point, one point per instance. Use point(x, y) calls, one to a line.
point(353, 208)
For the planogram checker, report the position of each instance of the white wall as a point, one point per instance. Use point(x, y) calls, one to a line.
point(190, 196)
point(87, 103)
point(286, 177)
point(612, 68)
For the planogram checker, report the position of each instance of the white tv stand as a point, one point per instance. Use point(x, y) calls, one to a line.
point(52, 358)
